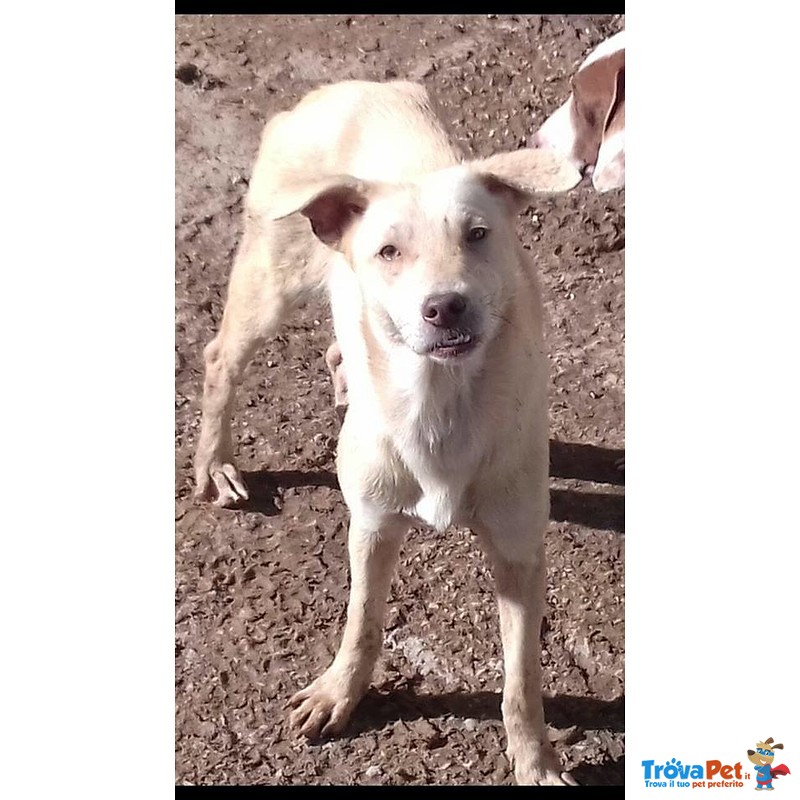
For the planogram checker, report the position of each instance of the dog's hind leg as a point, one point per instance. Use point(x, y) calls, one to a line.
point(259, 298)
point(324, 706)
point(519, 573)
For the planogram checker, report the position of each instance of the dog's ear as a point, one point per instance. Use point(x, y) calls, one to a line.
point(597, 90)
point(609, 173)
point(522, 173)
point(332, 204)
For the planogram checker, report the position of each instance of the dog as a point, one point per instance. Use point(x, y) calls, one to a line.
point(438, 317)
point(589, 128)
point(763, 757)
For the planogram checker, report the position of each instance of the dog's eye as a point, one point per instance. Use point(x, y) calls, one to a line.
point(389, 252)
point(476, 234)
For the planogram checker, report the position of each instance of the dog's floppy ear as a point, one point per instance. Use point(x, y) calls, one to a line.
point(598, 90)
point(609, 172)
point(332, 204)
point(522, 173)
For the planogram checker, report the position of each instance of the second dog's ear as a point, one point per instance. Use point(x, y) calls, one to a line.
point(598, 94)
point(609, 172)
point(522, 173)
point(331, 204)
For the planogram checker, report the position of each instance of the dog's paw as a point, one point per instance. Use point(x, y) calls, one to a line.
point(323, 707)
point(544, 777)
point(539, 766)
point(222, 483)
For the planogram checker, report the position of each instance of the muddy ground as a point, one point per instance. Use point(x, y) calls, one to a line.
point(261, 592)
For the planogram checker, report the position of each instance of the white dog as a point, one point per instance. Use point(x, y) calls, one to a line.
point(589, 128)
point(438, 316)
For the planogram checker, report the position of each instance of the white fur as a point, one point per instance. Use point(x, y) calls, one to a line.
point(609, 173)
point(558, 132)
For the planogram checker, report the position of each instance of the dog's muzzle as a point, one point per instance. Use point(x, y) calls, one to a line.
point(449, 323)
point(453, 343)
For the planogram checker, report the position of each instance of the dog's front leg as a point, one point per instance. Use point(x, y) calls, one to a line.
point(520, 581)
point(335, 362)
point(325, 706)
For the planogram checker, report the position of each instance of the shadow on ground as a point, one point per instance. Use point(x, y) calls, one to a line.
point(586, 462)
point(599, 510)
point(577, 715)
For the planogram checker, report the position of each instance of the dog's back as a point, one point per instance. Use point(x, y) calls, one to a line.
point(382, 132)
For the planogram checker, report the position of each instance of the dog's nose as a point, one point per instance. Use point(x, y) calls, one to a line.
point(444, 310)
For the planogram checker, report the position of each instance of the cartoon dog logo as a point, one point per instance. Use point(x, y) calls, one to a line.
point(762, 757)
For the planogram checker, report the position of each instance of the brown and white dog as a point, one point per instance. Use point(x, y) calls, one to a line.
point(589, 128)
point(437, 312)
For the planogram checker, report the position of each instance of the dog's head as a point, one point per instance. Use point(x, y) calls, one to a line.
point(589, 129)
point(764, 752)
point(437, 259)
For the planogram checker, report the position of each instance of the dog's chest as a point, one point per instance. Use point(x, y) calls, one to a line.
point(439, 444)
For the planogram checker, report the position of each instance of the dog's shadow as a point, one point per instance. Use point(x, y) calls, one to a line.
point(586, 462)
point(578, 461)
point(266, 487)
point(381, 708)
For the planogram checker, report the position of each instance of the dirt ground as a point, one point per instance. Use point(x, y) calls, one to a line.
point(261, 592)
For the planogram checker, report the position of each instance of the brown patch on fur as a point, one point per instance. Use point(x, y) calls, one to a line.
point(615, 121)
point(599, 103)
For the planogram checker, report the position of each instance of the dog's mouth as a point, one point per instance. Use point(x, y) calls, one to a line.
point(453, 344)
